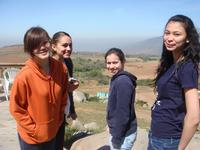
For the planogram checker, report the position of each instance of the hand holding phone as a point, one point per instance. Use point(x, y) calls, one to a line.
point(72, 80)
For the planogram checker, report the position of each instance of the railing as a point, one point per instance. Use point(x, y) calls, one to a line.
point(3, 66)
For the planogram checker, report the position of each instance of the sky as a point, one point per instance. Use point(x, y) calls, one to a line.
point(93, 24)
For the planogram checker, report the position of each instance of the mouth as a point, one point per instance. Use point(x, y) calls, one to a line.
point(169, 45)
point(113, 71)
point(43, 51)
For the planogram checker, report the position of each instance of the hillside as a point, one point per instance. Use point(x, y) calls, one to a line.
point(148, 47)
point(12, 54)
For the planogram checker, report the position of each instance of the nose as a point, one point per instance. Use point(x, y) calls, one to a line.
point(68, 48)
point(111, 66)
point(170, 37)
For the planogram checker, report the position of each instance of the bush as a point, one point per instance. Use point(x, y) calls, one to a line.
point(145, 82)
point(94, 99)
point(141, 103)
point(90, 70)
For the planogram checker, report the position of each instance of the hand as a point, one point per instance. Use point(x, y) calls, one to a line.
point(107, 128)
point(116, 146)
point(73, 116)
point(73, 84)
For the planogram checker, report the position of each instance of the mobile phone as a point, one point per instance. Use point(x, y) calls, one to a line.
point(72, 80)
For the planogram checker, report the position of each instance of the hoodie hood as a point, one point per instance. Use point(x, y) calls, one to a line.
point(131, 76)
point(36, 68)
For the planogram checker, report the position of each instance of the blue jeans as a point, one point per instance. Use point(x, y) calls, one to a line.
point(127, 142)
point(156, 143)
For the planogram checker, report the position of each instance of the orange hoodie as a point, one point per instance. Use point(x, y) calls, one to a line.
point(37, 101)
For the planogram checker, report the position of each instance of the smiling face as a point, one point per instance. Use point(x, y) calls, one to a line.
point(175, 37)
point(113, 64)
point(63, 48)
point(42, 52)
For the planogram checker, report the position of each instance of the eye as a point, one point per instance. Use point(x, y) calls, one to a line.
point(177, 34)
point(67, 44)
point(166, 33)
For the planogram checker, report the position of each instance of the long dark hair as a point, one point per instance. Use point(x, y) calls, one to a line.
point(190, 51)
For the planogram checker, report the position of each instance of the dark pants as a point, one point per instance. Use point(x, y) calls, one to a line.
point(50, 145)
point(56, 143)
point(60, 137)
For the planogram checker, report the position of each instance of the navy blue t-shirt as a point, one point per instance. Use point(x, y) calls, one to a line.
point(169, 110)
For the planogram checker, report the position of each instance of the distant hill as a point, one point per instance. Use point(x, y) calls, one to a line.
point(12, 54)
point(12, 48)
point(151, 46)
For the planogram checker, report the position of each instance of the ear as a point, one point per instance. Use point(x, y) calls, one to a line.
point(53, 46)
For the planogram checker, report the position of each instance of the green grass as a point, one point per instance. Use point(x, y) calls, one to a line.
point(92, 112)
point(145, 82)
point(96, 112)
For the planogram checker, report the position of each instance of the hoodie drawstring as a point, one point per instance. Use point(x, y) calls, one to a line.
point(52, 97)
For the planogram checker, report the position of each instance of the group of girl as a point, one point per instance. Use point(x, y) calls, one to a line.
point(41, 89)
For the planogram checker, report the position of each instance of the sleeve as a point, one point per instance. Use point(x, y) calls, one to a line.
point(72, 108)
point(70, 66)
point(19, 105)
point(188, 75)
point(125, 91)
point(65, 89)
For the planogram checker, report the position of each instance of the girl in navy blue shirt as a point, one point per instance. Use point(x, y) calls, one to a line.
point(176, 113)
point(121, 116)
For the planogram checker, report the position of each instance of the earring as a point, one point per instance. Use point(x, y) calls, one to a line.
point(187, 41)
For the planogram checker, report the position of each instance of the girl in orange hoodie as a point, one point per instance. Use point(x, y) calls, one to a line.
point(39, 94)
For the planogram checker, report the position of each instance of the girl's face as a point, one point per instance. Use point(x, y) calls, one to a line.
point(43, 51)
point(175, 36)
point(64, 47)
point(113, 64)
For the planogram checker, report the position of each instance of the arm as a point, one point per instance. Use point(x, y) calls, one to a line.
point(72, 112)
point(73, 86)
point(19, 105)
point(121, 118)
point(192, 117)
point(64, 89)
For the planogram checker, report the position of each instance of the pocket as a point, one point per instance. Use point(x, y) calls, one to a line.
point(172, 144)
point(45, 130)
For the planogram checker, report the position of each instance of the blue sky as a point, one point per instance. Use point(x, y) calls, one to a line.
point(93, 24)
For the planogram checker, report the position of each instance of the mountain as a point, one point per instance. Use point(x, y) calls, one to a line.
point(12, 53)
point(13, 48)
point(151, 46)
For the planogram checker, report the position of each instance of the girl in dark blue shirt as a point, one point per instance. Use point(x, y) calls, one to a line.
point(176, 113)
point(121, 116)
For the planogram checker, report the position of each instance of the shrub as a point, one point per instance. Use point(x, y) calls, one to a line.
point(141, 103)
point(90, 70)
point(94, 99)
point(145, 82)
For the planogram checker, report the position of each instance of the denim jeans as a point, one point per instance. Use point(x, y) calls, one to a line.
point(156, 143)
point(127, 142)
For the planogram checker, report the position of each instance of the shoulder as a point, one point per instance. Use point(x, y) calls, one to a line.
point(57, 64)
point(188, 66)
point(24, 74)
point(123, 80)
